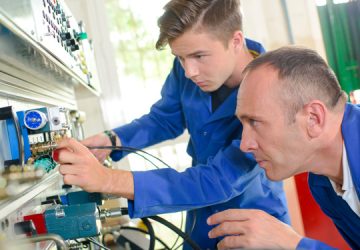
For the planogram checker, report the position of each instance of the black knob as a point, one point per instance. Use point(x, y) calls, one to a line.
point(63, 17)
point(66, 186)
point(58, 9)
point(74, 47)
point(70, 42)
point(54, 199)
point(24, 227)
point(65, 35)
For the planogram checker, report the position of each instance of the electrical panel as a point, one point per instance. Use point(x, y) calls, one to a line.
point(38, 131)
point(35, 206)
point(51, 24)
point(46, 59)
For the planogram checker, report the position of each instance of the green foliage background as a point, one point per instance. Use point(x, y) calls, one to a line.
point(136, 47)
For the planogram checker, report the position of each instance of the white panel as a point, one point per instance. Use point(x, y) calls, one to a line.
point(22, 105)
point(264, 21)
point(94, 15)
point(3, 102)
point(305, 25)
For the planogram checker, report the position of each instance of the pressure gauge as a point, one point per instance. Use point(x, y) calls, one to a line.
point(35, 119)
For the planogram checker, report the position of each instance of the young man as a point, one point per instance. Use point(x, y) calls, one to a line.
point(295, 119)
point(199, 95)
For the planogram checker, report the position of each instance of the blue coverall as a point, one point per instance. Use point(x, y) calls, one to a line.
point(344, 218)
point(221, 176)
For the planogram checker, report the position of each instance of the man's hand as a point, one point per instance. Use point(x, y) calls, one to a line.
point(80, 167)
point(100, 139)
point(250, 228)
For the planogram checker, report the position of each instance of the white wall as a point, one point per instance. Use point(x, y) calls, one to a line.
point(265, 21)
point(104, 112)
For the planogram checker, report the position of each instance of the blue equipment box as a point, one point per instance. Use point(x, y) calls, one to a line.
point(73, 221)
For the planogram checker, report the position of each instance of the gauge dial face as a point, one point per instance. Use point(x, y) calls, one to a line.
point(35, 119)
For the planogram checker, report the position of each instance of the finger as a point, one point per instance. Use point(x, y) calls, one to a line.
point(227, 228)
point(88, 141)
point(63, 155)
point(229, 215)
point(55, 154)
point(66, 169)
point(72, 180)
point(100, 139)
point(233, 241)
point(100, 154)
point(72, 144)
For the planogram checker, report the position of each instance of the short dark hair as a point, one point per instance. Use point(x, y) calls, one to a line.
point(219, 17)
point(304, 76)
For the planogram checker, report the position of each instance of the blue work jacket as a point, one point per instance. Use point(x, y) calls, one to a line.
point(344, 218)
point(221, 176)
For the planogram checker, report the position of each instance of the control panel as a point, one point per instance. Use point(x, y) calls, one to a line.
point(52, 25)
point(33, 201)
point(33, 134)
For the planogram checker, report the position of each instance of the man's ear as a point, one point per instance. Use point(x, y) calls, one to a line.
point(238, 40)
point(316, 117)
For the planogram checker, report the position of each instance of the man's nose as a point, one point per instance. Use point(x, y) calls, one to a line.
point(248, 143)
point(191, 70)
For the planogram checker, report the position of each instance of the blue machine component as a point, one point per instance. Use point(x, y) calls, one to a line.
point(32, 135)
point(73, 221)
point(24, 135)
point(35, 119)
point(25, 120)
point(15, 153)
point(82, 197)
point(13, 139)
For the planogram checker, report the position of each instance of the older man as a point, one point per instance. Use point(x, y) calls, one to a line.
point(295, 119)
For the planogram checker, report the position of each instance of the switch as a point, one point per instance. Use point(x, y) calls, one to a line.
point(70, 42)
point(25, 227)
point(38, 221)
point(65, 35)
point(81, 36)
point(74, 47)
point(63, 17)
point(58, 9)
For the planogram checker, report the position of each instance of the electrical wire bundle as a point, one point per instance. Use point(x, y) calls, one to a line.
point(151, 232)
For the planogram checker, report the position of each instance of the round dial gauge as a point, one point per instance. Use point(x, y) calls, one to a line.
point(35, 119)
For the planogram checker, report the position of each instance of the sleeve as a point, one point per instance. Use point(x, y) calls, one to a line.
point(225, 176)
point(310, 244)
point(164, 121)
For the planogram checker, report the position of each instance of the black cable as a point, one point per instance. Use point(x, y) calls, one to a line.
point(185, 236)
point(145, 232)
point(181, 225)
point(134, 150)
point(129, 149)
point(104, 235)
point(144, 157)
point(97, 243)
point(166, 223)
point(151, 233)
point(172, 227)
point(191, 230)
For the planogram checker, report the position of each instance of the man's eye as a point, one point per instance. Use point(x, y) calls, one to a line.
point(253, 123)
point(199, 56)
